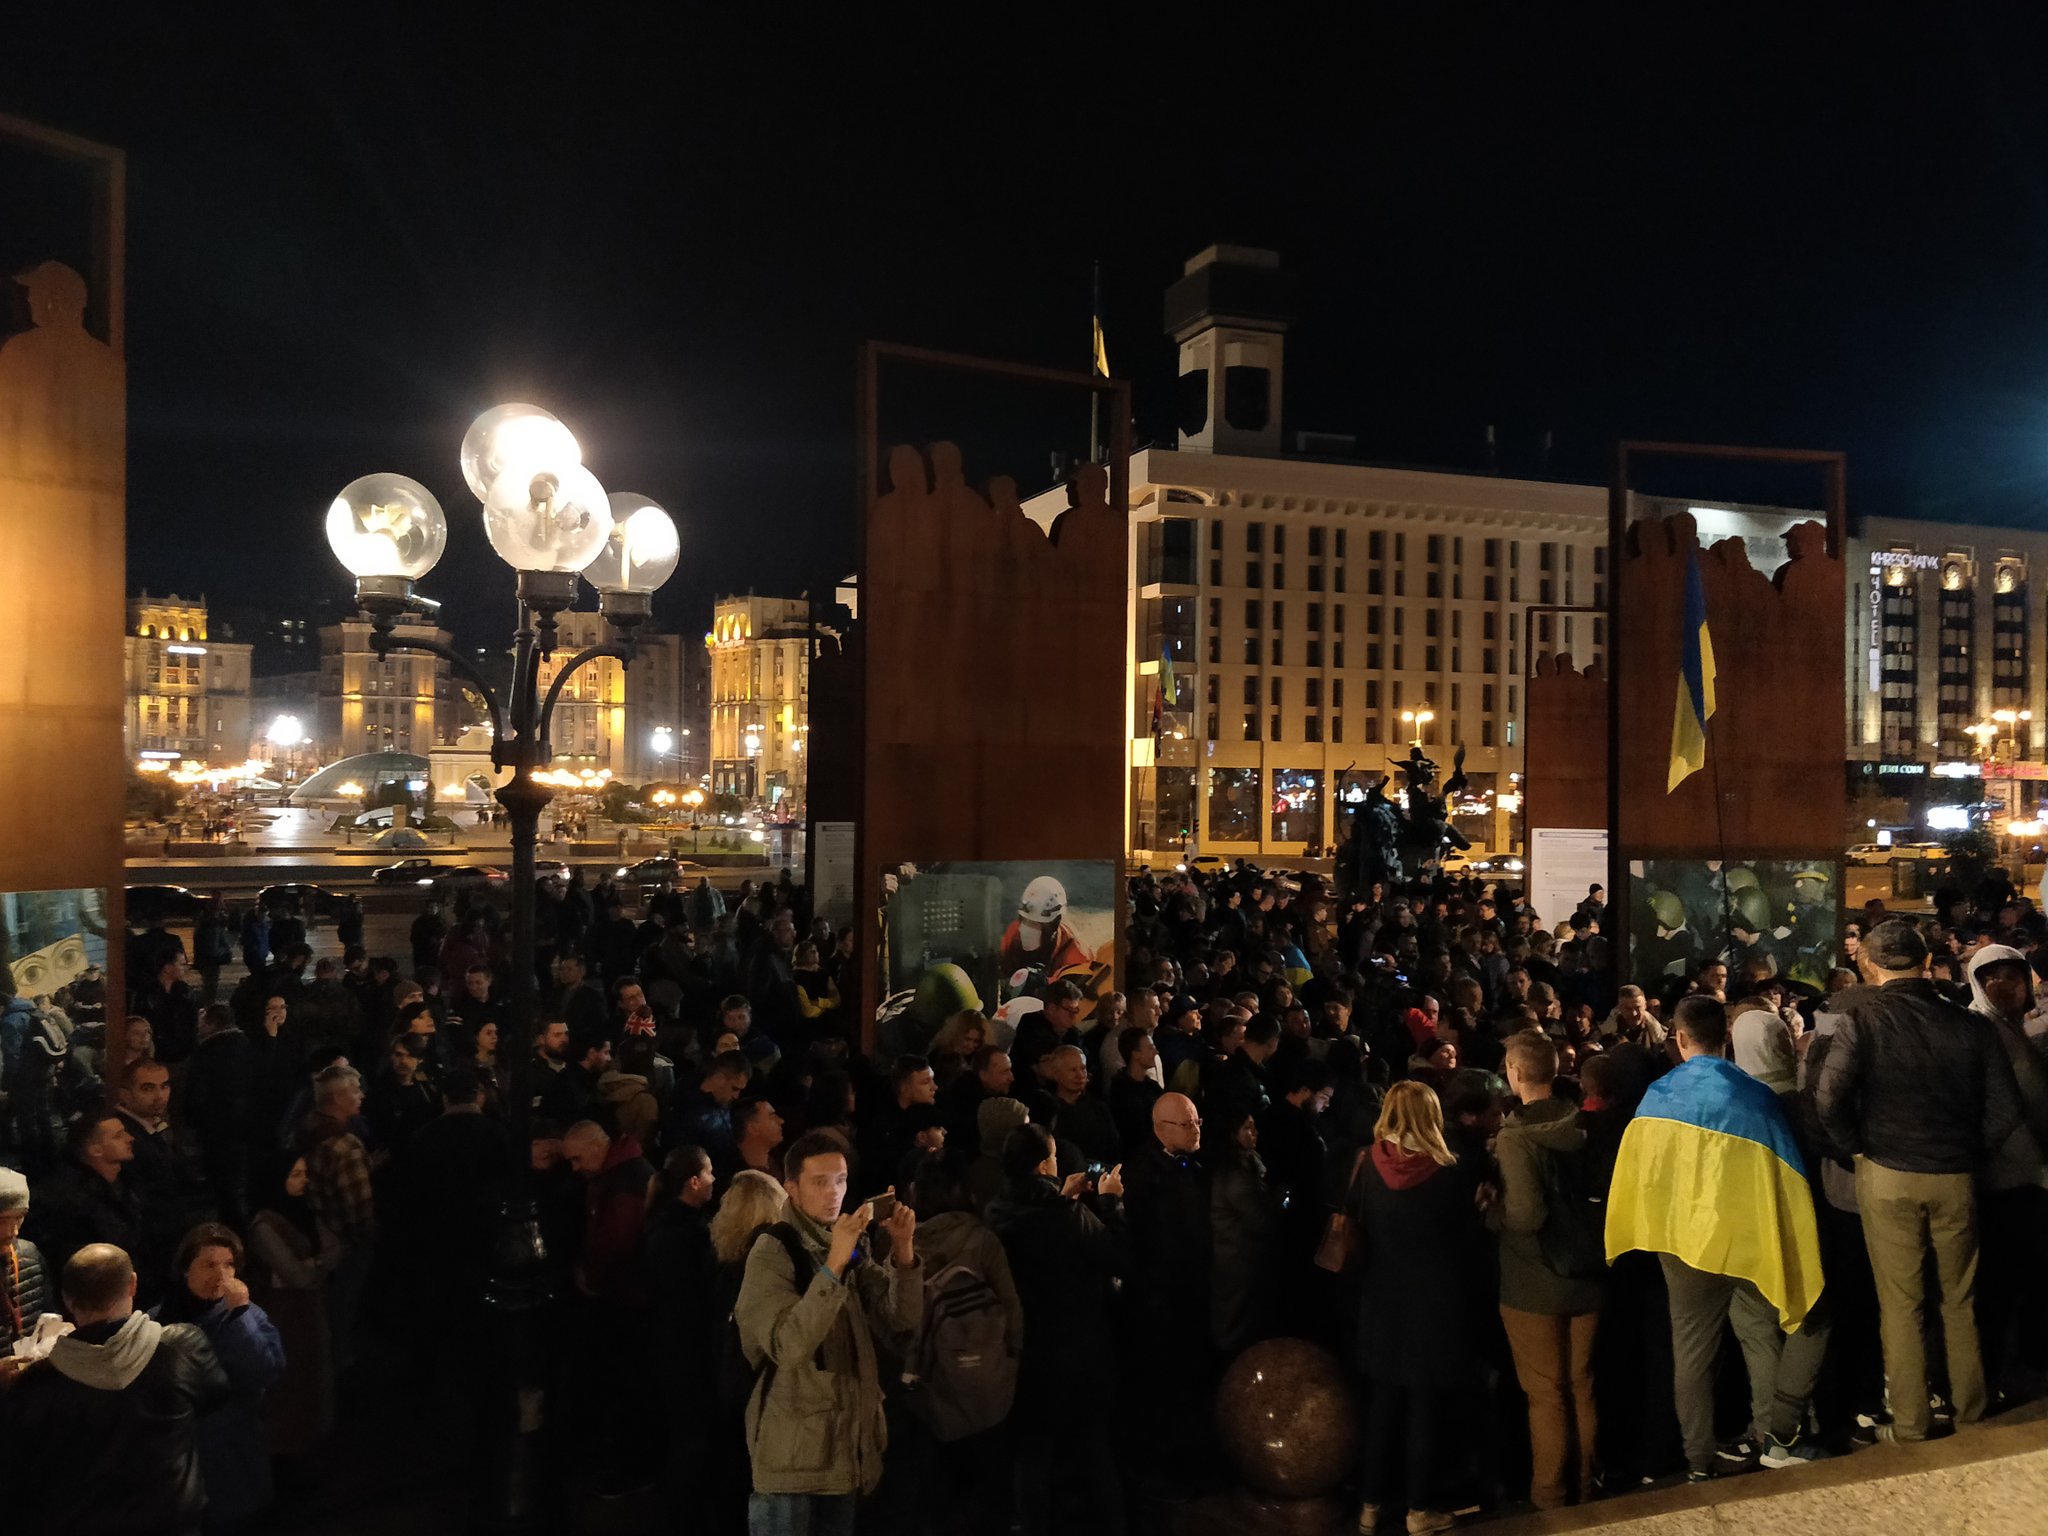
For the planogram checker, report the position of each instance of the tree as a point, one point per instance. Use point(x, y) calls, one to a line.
point(152, 796)
point(1971, 852)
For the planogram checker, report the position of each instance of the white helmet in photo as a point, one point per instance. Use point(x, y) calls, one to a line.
point(1044, 903)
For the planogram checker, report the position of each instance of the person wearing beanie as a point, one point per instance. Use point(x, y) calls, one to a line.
point(24, 1283)
point(1921, 1093)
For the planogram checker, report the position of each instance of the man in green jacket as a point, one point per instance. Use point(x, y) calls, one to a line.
point(1550, 1317)
point(815, 1431)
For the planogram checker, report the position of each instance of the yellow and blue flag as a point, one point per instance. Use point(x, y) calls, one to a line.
point(1695, 683)
point(1709, 1173)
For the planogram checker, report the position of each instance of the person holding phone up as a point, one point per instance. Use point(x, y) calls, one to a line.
point(811, 1308)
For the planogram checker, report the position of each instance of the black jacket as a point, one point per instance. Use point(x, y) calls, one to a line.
point(75, 1206)
point(102, 1438)
point(1063, 1255)
point(1915, 1083)
point(220, 1090)
point(680, 1270)
point(26, 1284)
point(1168, 1195)
point(1130, 1105)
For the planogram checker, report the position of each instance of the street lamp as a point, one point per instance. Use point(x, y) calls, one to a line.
point(1417, 718)
point(547, 517)
point(694, 798)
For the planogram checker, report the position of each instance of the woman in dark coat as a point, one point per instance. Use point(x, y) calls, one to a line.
point(206, 1292)
point(1243, 1212)
point(1063, 1254)
point(1426, 1282)
point(289, 1261)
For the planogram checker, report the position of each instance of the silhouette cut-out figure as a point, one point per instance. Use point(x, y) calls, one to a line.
point(61, 389)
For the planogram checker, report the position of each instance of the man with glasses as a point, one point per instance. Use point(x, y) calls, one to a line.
point(1167, 1195)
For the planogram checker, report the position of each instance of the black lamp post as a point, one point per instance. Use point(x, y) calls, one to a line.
point(549, 518)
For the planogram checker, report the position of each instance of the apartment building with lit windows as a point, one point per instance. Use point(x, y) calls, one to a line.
point(187, 693)
point(1944, 674)
point(1298, 621)
point(628, 720)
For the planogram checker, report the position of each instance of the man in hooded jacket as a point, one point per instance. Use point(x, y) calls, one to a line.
point(102, 1437)
point(2012, 1187)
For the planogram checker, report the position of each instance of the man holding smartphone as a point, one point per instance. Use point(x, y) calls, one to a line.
point(811, 1307)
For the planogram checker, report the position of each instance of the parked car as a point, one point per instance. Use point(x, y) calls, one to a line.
point(551, 869)
point(471, 877)
point(301, 899)
point(1203, 864)
point(1871, 853)
point(149, 904)
point(408, 872)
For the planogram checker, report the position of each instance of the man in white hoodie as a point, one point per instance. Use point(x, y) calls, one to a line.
point(2012, 1187)
point(102, 1436)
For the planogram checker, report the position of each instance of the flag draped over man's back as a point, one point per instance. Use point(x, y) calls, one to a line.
point(1695, 682)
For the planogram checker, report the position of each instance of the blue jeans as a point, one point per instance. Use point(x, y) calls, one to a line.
point(801, 1514)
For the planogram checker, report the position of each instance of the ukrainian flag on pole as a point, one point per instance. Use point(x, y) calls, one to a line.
point(1695, 683)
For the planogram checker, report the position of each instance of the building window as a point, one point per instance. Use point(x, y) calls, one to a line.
point(1486, 732)
point(1279, 576)
point(1215, 573)
point(1433, 585)
point(1375, 545)
point(1315, 618)
point(1311, 728)
point(1314, 658)
point(1251, 689)
point(1251, 650)
point(1372, 730)
point(1312, 693)
point(1336, 727)
point(1493, 551)
point(1340, 543)
point(1251, 725)
point(1279, 538)
point(1429, 658)
point(1276, 725)
point(1315, 578)
point(1315, 542)
point(1429, 623)
point(1372, 656)
point(1373, 582)
point(1400, 581)
point(1436, 547)
point(1336, 653)
point(1254, 537)
point(1254, 613)
point(1276, 652)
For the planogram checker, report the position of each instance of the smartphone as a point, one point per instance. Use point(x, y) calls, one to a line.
point(885, 1207)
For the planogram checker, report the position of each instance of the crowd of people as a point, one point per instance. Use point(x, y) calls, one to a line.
point(1553, 1223)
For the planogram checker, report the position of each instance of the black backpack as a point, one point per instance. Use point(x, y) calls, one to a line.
point(733, 1376)
point(1573, 1239)
point(960, 1376)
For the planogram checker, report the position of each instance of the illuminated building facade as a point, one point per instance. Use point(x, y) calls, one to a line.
point(1299, 619)
point(187, 693)
point(1946, 700)
point(760, 692)
point(404, 702)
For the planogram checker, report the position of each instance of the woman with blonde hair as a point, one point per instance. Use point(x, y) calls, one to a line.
point(958, 1039)
point(751, 1203)
point(723, 1478)
point(1428, 1285)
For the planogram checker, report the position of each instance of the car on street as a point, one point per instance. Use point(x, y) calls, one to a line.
point(471, 877)
point(408, 872)
point(299, 898)
point(1871, 853)
point(551, 869)
point(1203, 864)
point(651, 874)
point(151, 904)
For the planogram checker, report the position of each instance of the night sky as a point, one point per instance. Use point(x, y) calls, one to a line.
point(347, 237)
